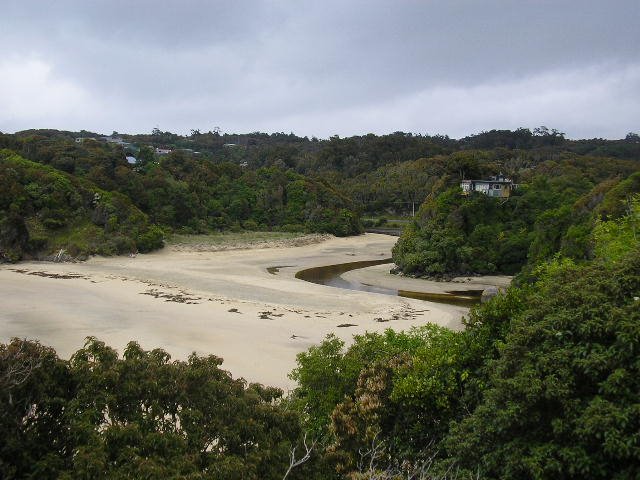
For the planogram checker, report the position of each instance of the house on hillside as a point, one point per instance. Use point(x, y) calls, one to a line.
point(497, 186)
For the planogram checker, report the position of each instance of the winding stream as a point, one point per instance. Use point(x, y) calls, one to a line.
point(331, 275)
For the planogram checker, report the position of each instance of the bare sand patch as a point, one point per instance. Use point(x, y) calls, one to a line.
point(223, 302)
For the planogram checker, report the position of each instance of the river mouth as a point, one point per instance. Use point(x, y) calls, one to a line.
point(330, 275)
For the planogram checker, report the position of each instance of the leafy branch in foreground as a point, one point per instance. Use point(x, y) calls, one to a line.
point(103, 416)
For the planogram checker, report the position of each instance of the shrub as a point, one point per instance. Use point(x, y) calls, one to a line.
point(151, 239)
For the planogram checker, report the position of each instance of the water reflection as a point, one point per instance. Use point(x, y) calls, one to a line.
point(331, 275)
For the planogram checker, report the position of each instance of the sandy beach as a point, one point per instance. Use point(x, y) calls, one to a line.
point(225, 303)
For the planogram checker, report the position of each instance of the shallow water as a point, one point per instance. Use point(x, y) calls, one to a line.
point(331, 275)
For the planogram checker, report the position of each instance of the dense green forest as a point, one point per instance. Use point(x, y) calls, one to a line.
point(212, 181)
point(42, 209)
point(62, 194)
point(542, 383)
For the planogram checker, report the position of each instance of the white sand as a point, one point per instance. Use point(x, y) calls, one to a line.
point(119, 299)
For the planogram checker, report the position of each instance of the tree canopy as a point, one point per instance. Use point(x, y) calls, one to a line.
point(142, 415)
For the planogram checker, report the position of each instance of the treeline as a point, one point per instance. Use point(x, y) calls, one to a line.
point(542, 383)
point(397, 188)
point(362, 153)
point(349, 164)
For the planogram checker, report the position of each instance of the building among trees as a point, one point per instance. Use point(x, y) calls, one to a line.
point(496, 186)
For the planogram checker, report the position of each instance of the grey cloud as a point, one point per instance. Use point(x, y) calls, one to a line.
point(189, 64)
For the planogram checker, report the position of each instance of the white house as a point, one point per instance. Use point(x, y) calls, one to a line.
point(497, 186)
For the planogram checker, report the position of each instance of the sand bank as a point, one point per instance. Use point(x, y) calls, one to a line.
point(224, 303)
point(379, 276)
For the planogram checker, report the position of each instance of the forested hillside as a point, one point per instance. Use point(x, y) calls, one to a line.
point(382, 174)
point(43, 210)
point(174, 192)
point(552, 212)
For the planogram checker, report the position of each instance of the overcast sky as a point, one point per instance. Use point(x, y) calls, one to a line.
point(321, 68)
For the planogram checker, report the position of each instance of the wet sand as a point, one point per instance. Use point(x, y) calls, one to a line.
point(224, 303)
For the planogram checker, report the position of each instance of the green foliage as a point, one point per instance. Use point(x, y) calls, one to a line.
point(185, 192)
point(47, 210)
point(323, 377)
point(455, 233)
point(560, 401)
point(326, 373)
point(150, 240)
point(398, 389)
point(35, 386)
point(616, 202)
point(553, 212)
point(428, 391)
point(138, 416)
point(614, 239)
point(542, 383)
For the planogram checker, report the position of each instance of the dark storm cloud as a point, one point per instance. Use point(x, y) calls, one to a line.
point(453, 67)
